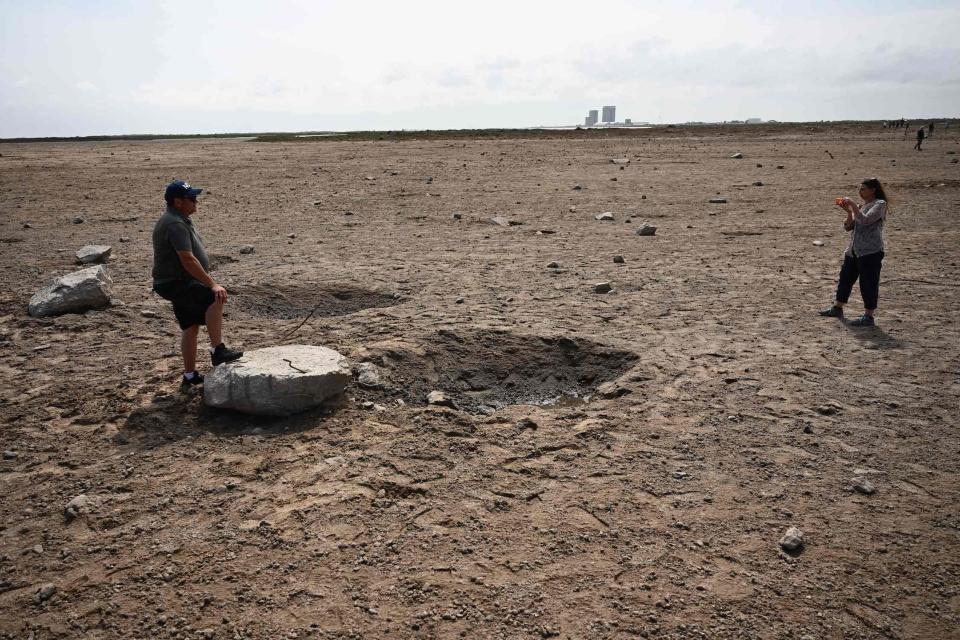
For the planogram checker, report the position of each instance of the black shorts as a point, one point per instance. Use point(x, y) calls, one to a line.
point(190, 299)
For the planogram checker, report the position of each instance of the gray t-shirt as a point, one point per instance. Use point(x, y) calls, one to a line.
point(867, 236)
point(175, 232)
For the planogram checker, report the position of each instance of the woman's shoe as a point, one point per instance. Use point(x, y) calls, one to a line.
point(832, 312)
point(863, 321)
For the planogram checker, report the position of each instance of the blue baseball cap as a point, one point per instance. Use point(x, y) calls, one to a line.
point(180, 189)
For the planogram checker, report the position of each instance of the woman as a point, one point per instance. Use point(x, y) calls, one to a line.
point(864, 253)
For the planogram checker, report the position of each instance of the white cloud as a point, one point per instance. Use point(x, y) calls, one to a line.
point(86, 85)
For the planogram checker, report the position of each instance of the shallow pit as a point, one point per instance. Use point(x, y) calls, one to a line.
point(481, 371)
point(292, 301)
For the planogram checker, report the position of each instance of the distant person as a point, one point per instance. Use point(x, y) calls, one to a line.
point(181, 275)
point(930, 130)
point(919, 145)
point(864, 255)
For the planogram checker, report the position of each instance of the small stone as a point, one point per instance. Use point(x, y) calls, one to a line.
point(247, 249)
point(620, 160)
point(367, 404)
point(606, 216)
point(38, 549)
point(602, 287)
point(718, 200)
point(779, 166)
point(643, 197)
point(827, 409)
point(458, 301)
point(291, 235)
point(646, 230)
point(124, 239)
point(27, 225)
point(792, 540)
point(618, 260)
point(77, 506)
point(807, 429)
point(457, 216)
point(500, 221)
point(368, 375)
point(553, 265)
point(78, 220)
point(737, 156)
point(577, 187)
point(758, 183)
point(864, 486)
point(439, 398)
point(45, 592)
point(94, 254)
point(9, 455)
point(610, 390)
point(759, 166)
point(818, 243)
point(149, 313)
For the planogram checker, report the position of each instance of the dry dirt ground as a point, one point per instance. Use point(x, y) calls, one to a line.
point(732, 411)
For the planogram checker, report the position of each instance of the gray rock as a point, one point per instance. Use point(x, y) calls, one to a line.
point(73, 293)
point(612, 389)
point(439, 398)
point(457, 216)
point(78, 220)
point(500, 221)
point(818, 243)
point(278, 381)
point(553, 265)
point(758, 183)
point(247, 249)
point(718, 200)
point(864, 486)
point(124, 239)
point(9, 455)
point(76, 507)
point(606, 216)
point(620, 160)
point(602, 287)
point(149, 313)
point(646, 230)
point(618, 259)
point(792, 540)
point(44, 592)
point(737, 156)
point(94, 254)
point(368, 375)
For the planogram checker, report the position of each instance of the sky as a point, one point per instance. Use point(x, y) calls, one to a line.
point(92, 67)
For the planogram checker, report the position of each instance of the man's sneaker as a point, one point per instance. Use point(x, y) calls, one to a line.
point(223, 354)
point(194, 380)
point(832, 312)
point(863, 321)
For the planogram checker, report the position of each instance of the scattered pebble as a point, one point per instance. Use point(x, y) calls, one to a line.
point(78, 220)
point(792, 540)
point(737, 156)
point(606, 216)
point(9, 455)
point(439, 398)
point(76, 507)
point(602, 287)
point(818, 243)
point(647, 230)
point(718, 200)
point(247, 249)
point(618, 259)
point(45, 592)
point(864, 486)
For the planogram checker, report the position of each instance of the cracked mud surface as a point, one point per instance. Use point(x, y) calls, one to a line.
point(736, 411)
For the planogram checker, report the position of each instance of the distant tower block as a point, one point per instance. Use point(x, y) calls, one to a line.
point(592, 117)
point(586, 122)
point(627, 121)
point(610, 114)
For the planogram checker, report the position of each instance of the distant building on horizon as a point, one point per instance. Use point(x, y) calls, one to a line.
point(592, 118)
point(609, 114)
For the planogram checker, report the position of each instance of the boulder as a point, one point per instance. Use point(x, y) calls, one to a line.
point(73, 293)
point(278, 381)
point(94, 254)
point(647, 230)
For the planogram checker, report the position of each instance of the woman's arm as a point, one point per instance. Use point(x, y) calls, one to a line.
point(874, 214)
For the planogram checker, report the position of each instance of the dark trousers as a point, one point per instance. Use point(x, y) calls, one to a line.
point(867, 269)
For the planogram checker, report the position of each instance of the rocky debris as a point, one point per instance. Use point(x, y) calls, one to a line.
point(76, 507)
point(9, 454)
point(368, 375)
point(864, 486)
point(247, 249)
point(577, 187)
point(759, 166)
point(606, 216)
point(619, 160)
point(27, 225)
point(439, 398)
point(758, 183)
point(618, 260)
point(44, 592)
point(611, 390)
point(792, 540)
point(818, 243)
point(73, 293)
point(718, 201)
point(457, 216)
point(829, 409)
point(124, 239)
point(737, 156)
point(78, 220)
point(500, 221)
point(459, 300)
point(779, 166)
point(278, 381)
point(291, 235)
point(647, 230)
point(553, 265)
point(94, 254)
point(149, 313)
point(602, 287)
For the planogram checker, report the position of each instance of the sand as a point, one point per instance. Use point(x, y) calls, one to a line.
point(612, 465)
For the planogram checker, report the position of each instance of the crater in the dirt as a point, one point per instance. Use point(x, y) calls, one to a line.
point(481, 371)
point(288, 302)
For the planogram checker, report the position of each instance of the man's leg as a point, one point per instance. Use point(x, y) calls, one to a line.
point(214, 318)
point(188, 347)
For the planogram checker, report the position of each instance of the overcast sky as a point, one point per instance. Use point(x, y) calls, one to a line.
point(87, 67)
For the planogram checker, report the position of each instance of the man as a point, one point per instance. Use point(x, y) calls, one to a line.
point(919, 145)
point(180, 274)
